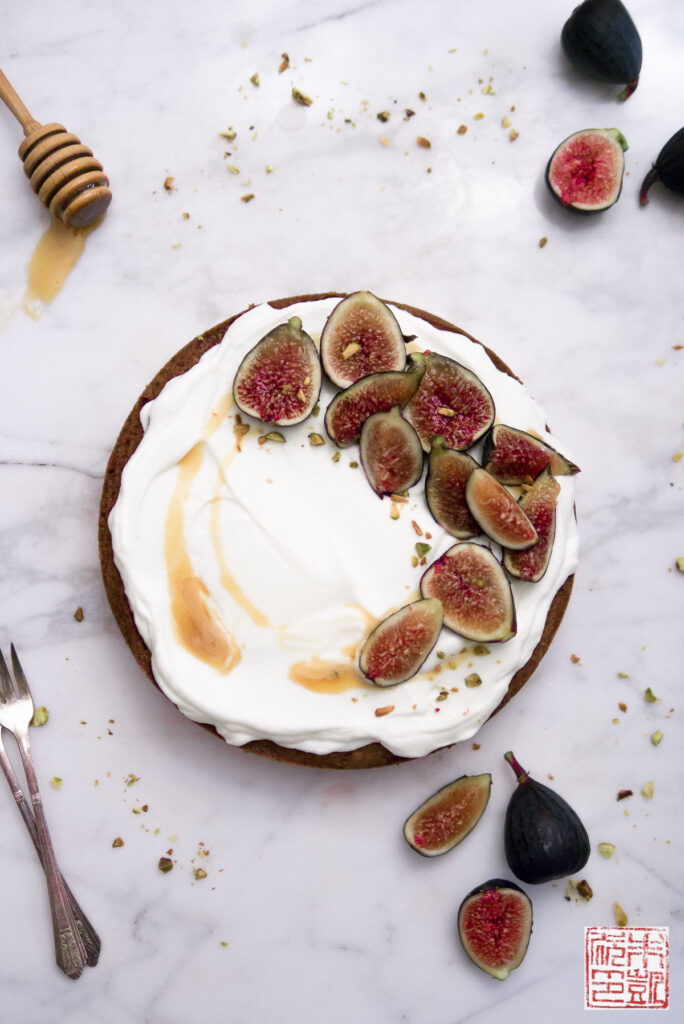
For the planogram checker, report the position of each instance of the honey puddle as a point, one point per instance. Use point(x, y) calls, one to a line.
point(197, 624)
point(54, 257)
point(326, 676)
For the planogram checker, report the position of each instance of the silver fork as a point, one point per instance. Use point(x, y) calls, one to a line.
point(16, 711)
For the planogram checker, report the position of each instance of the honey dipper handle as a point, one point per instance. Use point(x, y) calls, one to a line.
point(15, 105)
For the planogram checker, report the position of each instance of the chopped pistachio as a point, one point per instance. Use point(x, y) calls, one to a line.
point(444, 411)
point(284, 65)
point(513, 135)
point(299, 97)
point(478, 116)
point(647, 790)
point(442, 695)
point(78, 614)
point(353, 465)
point(622, 675)
point(383, 116)
point(422, 549)
point(254, 79)
point(584, 889)
point(505, 121)
point(462, 129)
point(118, 842)
point(606, 849)
point(40, 717)
point(480, 649)
point(680, 563)
point(56, 782)
point(199, 873)
point(473, 680)
point(229, 134)
point(441, 655)
point(132, 779)
point(275, 436)
point(301, 396)
point(315, 440)
point(542, 241)
point(165, 864)
point(336, 457)
point(423, 142)
point(656, 737)
point(225, 945)
point(232, 169)
point(621, 918)
point(649, 696)
point(247, 198)
point(678, 456)
point(168, 184)
point(350, 350)
point(414, 558)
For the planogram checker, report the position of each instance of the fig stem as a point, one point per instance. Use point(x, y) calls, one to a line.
point(649, 180)
point(520, 773)
point(628, 90)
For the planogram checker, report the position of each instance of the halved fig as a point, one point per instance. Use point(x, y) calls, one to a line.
point(448, 472)
point(446, 818)
point(474, 591)
point(498, 513)
point(378, 392)
point(399, 645)
point(391, 453)
point(516, 457)
point(279, 380)
point(539, 505)
point(361, 336)
point(585, 171)
point(495, 925)
point(451, 402)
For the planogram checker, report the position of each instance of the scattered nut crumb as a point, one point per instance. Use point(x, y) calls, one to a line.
point(56, 782)
point(584, 889)
point(423, 142)
point(473, 680)
point(476, 746)
point(118, 842)
point(513, 135)
point(678, 456)
point(656, 737)
point(379, 712)
point(542, 241)
point(680, 563)
point(199, 873)
point(299, 97)
point(384, 140)
point(606, 849)
point(40, 717)
point(624, 793)
point(315, 440)
point(165, 864)
point(78, 614)
point(408, 114)
point(649, 696)
point(284, 64)
point(647, 790)
point(622, 706)
point(383, 116)
point(505, 122)
point(247, 198)
point(574, 659)
point(462, 129)
point(478, 116)
point(621, 918)
point(169, 185)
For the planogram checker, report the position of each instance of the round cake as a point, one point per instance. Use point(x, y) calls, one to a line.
point(246, 563)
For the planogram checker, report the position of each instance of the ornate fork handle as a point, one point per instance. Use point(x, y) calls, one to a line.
point(89, 936)
point(69, 947)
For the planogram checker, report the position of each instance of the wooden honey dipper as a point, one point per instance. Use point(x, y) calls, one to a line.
point(63, 172)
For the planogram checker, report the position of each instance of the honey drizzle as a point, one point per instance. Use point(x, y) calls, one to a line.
point(325, 676)
point(54, 257)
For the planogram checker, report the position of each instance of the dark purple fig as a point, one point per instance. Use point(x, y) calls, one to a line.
point(498, 513)
point(391, 454)
point(446, 818)
point(601, 39)
point(399, 645)
point(279, 380)
point(474, 591)
point(585, 172)
point(539, 505)
point(495, 925)
point(361, 336)
point(451, 402)
point(448, 472)
point(668, 168)
point(543, 837)
point(515, 457)
point(378, 392)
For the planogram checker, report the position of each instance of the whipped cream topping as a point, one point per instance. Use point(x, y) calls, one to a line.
point(255, 569)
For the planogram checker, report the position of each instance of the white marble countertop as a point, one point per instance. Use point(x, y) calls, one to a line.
point(313, 907)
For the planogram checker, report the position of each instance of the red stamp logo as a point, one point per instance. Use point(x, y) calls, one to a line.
point(626, 967)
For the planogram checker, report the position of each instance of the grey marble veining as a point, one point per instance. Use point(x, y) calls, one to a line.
point(313, 907)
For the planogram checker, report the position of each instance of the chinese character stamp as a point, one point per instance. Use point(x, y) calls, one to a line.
point(626, 967)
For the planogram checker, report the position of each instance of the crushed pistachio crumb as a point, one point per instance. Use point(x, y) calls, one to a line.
point(315, 440)
point(647, 790)
point(462, 129)
point(478, 116)
point(40, 717)
point(229, 134)
point(584, 890)
point(422, 96)
point(513, 135)
point(383, 116)
point(622, 706)
point(480, 649)
point(621, 918)
point(680, 563)
point(299, 97)
point(56, 782)
point(350, 350)
point(622, 675)
point(422, 549)
point(284, 63)
point(656, 737)
point(199, 873)
point(131, 779)
point(423, 142)
point(247, 198)
point(118, 842)
point(168, 184)
point(408, 114)
point(78, 614)
point(445, 411)
point(254, 79)
point(336, 457)
point(275, 436)
point(574, 659)
point(441, 655)
point(473, 680)
point(414, 558)
point(542, 241)
point(232, 169)
point(505, 121)
point(649, 696)
point(442, 695)
point(606, 849)
point(678, 456)
point(165, 864)
point(353, 465)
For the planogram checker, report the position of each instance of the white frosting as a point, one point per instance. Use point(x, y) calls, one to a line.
point(311, 547)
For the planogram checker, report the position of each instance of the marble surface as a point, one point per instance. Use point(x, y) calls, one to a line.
point(312, 906)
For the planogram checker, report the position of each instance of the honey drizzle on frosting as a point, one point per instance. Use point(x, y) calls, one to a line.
point(326, 676)
point(197, 623)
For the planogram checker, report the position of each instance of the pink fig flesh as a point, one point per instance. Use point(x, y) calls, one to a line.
point(399, 645)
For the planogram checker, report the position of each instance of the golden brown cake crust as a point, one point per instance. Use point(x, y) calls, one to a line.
point(372, 755)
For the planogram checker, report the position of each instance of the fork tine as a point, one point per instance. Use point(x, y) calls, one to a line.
point(19, 677)
point(6, 688)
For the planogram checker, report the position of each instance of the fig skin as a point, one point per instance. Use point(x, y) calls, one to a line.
point(377, 392)
point(601, 39)
point(544, 838)
point(539, 504)
point(585, 172)
point(401, 642)
point(515, 457)
point(495, 926)
point(279, 379)
point(391, 453)
point(448, 816)
point(497, 512)
point(451, 402)
point(361, 336)
point(475, 592)
point(668, 168)
point(448, 472)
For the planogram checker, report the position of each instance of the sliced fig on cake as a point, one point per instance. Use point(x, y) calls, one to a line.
point(378, 392)
point(539, 505)
point(399, 645)
point(495, 925)
point(448, 472)
point(445, 819)
point(361, 336)
point(391, 453)
point(279, 380)
point(585, 171)
point(516, 457)
point(451, 402)
point(474, 591)
point(497, 512)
